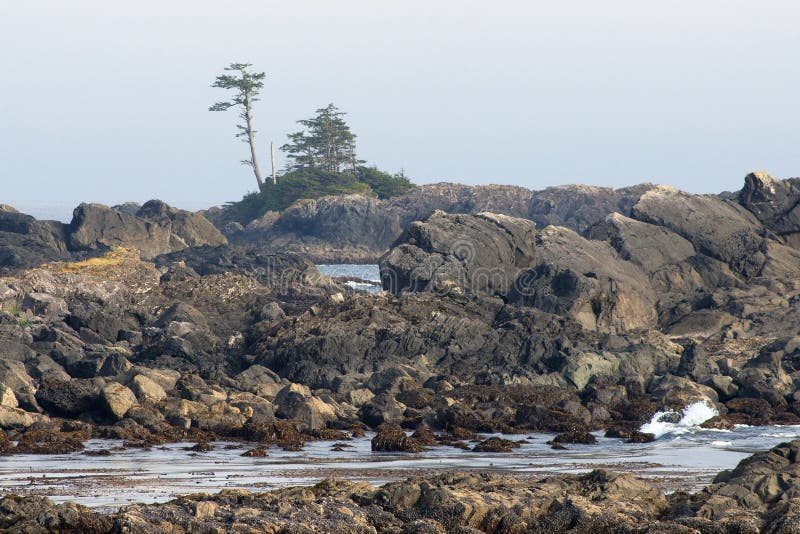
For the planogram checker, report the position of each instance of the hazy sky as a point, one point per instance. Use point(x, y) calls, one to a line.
point(107, 101)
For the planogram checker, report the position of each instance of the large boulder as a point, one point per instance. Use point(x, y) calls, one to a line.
point(297, 403)
point(260, 381)
point(15, 418)
point(765, 483)
point(69, 398)
point(146, 389)
point(483, 252)
point(720, 229)
point(118, 400)
point(588, 281)
point(26, 242)
point(191, 229)
point(155, 229)
point(15, 377)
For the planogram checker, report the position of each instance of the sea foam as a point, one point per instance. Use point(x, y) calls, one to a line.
point(690, 417)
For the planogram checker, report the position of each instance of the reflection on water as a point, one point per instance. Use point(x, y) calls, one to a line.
point(685, 460)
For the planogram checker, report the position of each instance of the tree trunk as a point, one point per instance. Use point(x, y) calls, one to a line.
point(272, 153)
point(252, 141)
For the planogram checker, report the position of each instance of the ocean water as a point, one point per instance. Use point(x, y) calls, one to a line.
point(684, 457)
point(369, 274)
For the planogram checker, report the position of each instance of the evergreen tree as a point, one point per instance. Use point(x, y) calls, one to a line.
point(325, 143)
point(246, 85)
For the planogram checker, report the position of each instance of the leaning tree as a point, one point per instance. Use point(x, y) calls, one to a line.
point(246, 85)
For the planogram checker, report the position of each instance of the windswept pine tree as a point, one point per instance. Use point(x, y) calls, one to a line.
point(246, 85)
point(325, 143)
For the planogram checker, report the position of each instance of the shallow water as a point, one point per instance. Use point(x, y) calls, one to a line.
point(370, 273)
point(683, 458)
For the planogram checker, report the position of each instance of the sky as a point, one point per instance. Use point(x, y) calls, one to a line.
point(108, 101)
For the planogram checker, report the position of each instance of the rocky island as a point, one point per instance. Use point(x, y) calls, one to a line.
point(576, 311)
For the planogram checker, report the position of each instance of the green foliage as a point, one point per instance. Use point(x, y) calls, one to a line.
point(246, 86)
point(383, 184)
point(312, 184)
point(326, 143)
point(309, 183)
point(22, 319)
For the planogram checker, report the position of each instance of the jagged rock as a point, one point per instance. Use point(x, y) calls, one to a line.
point(259, 380)
point(166, 378)
point(359, 397)
point(118, 399)
point(182, 312)
point(297, 403)
point(579, 207)
point(11, 417)
point(69, 398)
point(483, 252)
point(382, 409)
point(147, 389)
point(678, 392)
point(722, 230)
point(649, 246)
point(774, 202)
point(192, 229)
point(391, 380)
point(131, 208)
point(359, 229)
point(764, 377)
point(588, 281)
point(284, 270)
point(14, 376)
point(39, 514)
point(155, 229)
point(115, 364)
point(7, 397)
point(44, 304)
point(582, 368)
point(697, 364)
point(26, 242)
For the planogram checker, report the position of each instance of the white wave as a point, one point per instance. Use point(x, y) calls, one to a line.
point(721, 443)
point(690, 417)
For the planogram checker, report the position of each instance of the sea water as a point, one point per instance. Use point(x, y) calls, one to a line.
point(369, 275)
point(683, 457)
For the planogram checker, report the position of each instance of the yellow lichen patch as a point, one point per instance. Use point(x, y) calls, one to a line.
point(101, 266)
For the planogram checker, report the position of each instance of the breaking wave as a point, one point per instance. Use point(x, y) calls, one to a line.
point(672, 422)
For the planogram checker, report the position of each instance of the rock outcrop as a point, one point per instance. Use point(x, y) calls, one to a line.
point(588, 281)
point(483, 252)
point(155, 229)
point(497, 326)
point(723, 230)
point(359, 229)
point(776, 203)
point(26, 242)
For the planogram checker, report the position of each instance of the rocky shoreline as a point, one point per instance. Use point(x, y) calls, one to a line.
point(759, 495)
point(568, 311)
